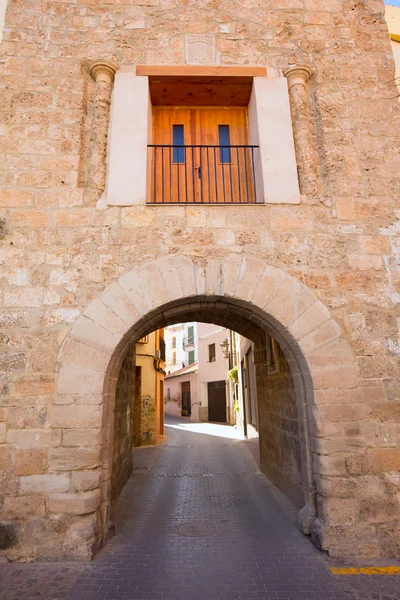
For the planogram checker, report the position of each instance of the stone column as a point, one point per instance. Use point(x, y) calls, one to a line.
point(103, 73)
point(307, 160)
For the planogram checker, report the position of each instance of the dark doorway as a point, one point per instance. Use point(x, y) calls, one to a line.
point(186, 401)
point(216, 401)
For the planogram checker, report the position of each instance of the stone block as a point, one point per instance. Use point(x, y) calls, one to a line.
point(20, 507)
point(268, 283)
point(12, 361)
point(75, 417)
point(74, 503)
point(286, 304)
point(27, 417)
point(323, 334)
point(84, 481)
point(310, 319)
point(81, 536)
point(152, 284)
point(24, 297)
point(338, 376)
point(133, 287)
point(77, 353)
point(199, 278)
point(213, 278)
point(291, 219)
point(378, 509)
point(230, 270)
point(90, 333)
point(34, 438)
point(383, 460)
point(115, 298)
point(32, 461)
point(83, 437)
point(339, 511)
point(337, 352)
point(357, 465)
point(79, 380)
point(71, 459)
point(185, 268)
point(172, 277)
point(105, 317)
point(34, 385)
point(43, 484)
point(249, 275)
point(6, 456)
point(330, 466)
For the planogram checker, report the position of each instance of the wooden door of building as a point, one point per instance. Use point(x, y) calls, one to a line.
point(201, 156)
point(186, 399)
point(216, 401)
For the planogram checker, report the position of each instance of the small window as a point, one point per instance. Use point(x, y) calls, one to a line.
point(191, 357)
point(169, 393)
point(190, 335)
point(211, 353)
point(178, 139)
point(174, 342)
point(174, 358)
point(225, 142)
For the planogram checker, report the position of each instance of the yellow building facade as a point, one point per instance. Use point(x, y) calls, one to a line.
point(392, 16)
point(148, 412)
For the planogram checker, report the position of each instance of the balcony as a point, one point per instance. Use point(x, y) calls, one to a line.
point(188, 341)
point(202, 174)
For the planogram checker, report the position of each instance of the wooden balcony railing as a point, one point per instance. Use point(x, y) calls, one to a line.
point(202, 174)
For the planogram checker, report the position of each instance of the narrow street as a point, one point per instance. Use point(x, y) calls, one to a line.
point(198, 521)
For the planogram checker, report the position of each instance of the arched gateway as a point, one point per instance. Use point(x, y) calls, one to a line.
point(244, 294)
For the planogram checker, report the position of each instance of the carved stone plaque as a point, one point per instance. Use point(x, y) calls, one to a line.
point(200, 49)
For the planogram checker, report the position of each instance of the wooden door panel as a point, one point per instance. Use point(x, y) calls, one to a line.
point(216, 401)
point(186, 399)
point(201, 177)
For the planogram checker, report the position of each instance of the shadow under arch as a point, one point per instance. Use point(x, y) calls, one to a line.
point(241, 293)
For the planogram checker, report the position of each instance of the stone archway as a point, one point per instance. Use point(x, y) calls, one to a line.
point(163, 291)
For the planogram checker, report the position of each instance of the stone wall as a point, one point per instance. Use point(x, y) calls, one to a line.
point(280, 450)
point(123, 425)
point(60, 254)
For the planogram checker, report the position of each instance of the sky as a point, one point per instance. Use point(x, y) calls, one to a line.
point(392, 2)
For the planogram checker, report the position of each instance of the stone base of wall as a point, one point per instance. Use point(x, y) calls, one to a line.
point(203, 414)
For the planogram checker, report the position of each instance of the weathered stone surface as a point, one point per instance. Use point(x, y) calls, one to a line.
point(78, 417)
point(70, 459)
point(83, 481)
point(43, 484)
point(19, 507)
point(32, 461)
point(74, 504)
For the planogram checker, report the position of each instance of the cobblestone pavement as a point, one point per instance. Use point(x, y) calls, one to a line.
point(199, 521)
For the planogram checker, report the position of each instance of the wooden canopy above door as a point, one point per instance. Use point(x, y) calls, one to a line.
point(200, 86)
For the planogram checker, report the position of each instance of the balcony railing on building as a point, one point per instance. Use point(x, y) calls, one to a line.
point(188, 341)
point(202, 174)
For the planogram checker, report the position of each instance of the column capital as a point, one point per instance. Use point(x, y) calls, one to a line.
point(298, 74)
point(103, 70)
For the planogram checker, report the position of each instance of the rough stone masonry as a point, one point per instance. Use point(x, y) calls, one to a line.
point(80, 282)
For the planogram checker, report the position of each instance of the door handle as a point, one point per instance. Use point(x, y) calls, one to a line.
point(198, 169)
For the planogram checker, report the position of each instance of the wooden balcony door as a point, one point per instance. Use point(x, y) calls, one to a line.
point(201, 171)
